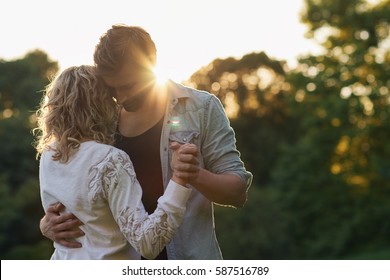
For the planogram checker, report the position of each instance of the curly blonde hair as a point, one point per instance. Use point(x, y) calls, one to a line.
point(76, 106)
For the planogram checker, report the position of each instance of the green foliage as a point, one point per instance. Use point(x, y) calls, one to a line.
point(256, 231)
point(21, 83)
point(253, 90)
point(20, 212)
point(22, 80)
point(318, 145)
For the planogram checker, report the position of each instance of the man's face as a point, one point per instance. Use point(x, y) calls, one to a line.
point(131, 87)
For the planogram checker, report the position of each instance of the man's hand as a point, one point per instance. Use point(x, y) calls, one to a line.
point(61, 227)
point(185, 164)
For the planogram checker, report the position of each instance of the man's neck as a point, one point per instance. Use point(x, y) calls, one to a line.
point(132, 124)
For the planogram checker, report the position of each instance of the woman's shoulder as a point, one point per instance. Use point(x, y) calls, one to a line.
point(108, 153)
point(102, 150)
point(110, 160)
point(96, 147)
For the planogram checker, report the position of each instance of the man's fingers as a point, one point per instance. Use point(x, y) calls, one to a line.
point(69, 235)
point(56, 208)
point(190, 168)
point(188, 149)
point(174, 145)
point(188, 158)
point(69, 244)
point(67, 217)
point(66, 225)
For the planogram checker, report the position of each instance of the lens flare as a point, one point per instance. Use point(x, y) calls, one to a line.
point(161, 78)
point(175, 121)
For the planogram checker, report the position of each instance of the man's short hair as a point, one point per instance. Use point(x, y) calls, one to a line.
point(124, 44)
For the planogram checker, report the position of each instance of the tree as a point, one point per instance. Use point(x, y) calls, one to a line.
point(21, 83)
point(253, 90)
point(339, 197)
point(318, 147)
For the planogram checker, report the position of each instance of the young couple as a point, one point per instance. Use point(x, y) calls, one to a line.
point(151, 194)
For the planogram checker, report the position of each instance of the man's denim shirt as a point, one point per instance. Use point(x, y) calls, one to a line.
point(198, 117)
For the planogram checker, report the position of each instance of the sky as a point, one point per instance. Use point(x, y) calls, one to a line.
point(188, 34)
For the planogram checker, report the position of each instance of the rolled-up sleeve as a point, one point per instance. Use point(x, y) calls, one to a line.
point(219, 149)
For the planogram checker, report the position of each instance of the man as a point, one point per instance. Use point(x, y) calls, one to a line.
point(151, 118)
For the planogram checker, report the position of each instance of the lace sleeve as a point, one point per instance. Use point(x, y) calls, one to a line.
point(148, 234)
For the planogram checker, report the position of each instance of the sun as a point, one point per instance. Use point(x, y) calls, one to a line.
point(160, 74)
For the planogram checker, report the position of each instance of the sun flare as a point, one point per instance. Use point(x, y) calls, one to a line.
point(160, 74)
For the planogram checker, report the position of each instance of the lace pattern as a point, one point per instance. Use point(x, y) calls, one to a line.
point(113, 179)
point(143, 230)
point(105, 174)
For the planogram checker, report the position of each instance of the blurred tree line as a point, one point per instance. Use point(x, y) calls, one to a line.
point(21, 85)
point(315, 138)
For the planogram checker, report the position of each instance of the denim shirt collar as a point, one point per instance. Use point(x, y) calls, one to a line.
point(176, 92)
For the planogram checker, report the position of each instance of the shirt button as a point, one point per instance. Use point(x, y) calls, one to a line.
point(185, 139)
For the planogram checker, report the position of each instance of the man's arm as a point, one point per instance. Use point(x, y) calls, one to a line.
point(61, 227)
point(225, 189)
point(223, 179)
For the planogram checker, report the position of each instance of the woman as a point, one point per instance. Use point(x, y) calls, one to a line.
point(94, 180)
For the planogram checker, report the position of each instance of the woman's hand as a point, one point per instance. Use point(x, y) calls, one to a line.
point(184, 164)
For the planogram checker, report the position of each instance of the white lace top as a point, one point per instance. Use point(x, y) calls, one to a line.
point(98, 184)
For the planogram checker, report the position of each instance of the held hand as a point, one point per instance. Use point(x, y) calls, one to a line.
point(61, 227)
point(185, 164)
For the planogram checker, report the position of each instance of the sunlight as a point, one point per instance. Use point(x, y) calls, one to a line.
point(161, 75)
point(374, 2)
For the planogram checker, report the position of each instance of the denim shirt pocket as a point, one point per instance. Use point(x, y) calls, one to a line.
point(183, 137)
